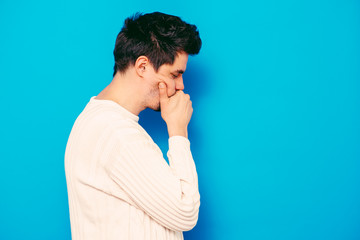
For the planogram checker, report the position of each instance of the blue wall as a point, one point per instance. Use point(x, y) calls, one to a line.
point(275, 131)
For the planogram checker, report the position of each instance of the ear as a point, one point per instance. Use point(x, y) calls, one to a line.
point(141, 64)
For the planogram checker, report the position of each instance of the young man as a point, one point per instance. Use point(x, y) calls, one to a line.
point(119, 184)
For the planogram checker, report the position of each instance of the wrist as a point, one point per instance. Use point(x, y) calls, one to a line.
point(177, 132)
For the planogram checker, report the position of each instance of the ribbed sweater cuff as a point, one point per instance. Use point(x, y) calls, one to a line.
point(178, 140)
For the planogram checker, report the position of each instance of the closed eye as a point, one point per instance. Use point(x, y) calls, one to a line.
point(177, 73)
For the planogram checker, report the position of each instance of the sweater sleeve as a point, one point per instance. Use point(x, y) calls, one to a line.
point(167, 193)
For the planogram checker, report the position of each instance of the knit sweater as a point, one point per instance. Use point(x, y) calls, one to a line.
point(119, 184)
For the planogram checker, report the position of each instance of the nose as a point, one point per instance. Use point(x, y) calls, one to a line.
point(179, 84)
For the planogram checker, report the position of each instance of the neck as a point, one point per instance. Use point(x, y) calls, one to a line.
point(124, 90)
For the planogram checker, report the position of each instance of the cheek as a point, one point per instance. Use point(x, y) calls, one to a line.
point(171, 88)
point(170, 83)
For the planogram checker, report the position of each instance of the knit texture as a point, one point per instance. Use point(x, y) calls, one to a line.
point(119, 184)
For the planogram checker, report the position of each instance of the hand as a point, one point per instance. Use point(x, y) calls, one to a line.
point(176, 111)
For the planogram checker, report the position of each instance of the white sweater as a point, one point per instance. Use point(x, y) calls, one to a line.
point(119, 184)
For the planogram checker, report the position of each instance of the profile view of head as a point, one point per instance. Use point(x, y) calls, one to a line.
point(156, 35)
point(156, 46)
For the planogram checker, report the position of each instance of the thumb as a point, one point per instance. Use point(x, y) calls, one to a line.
point(163, 93)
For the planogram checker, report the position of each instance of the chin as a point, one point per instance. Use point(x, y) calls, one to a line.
point(156, 108)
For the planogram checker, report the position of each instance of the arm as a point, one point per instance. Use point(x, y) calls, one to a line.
point(169, 194)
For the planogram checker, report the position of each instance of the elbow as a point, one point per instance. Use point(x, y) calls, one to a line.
point(189, 220)
point(191, 223)
point(186, 225)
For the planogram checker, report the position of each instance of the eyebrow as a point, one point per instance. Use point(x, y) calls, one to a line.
point(179, 71)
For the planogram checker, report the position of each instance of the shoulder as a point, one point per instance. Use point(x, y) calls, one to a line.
point(104, 116)
point(127, 131)
point(107, 123)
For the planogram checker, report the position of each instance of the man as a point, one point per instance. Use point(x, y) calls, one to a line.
point(119, 184)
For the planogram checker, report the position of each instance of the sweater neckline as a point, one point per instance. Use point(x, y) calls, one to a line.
point(118, 106)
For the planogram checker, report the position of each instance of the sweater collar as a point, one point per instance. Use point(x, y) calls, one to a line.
point(118, 106)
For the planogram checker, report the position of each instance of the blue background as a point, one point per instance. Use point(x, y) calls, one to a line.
point(275, 131)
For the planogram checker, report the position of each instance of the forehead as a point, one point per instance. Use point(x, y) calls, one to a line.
point(179, 63)
point(181, 59)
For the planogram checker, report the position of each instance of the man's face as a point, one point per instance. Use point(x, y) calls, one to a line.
point(171, 75)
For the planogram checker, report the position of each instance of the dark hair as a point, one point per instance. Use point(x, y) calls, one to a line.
point(157, 36)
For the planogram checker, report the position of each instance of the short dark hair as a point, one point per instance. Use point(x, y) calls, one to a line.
point(158, 36)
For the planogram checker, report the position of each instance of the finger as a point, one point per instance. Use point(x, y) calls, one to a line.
point(163, 93)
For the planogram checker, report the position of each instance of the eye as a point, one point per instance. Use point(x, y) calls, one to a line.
point(174, 76)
